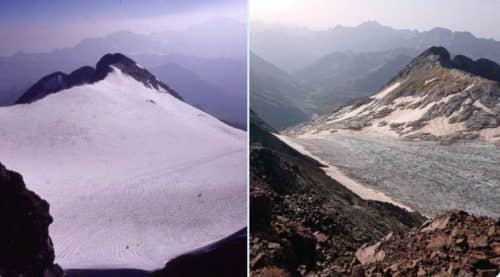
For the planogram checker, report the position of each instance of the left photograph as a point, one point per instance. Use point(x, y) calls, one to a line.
point(123, 142)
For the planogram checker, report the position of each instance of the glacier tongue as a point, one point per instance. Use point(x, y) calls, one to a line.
point(133, 176)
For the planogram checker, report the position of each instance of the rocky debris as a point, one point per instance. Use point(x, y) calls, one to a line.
point(479, 119)
point(452, 244)
point(227, 257)
point(305, 223)
point(58, 81)
point(25, 246)
point(432, 86)
point(444, 140)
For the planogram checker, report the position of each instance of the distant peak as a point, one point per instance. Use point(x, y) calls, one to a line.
point(370, 23)
point(441, 30)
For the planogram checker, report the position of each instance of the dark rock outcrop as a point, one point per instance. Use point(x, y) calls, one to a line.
point(58, 81)
point(25, 246)
point(227, 257)
point(452, 244)
point(481, 67)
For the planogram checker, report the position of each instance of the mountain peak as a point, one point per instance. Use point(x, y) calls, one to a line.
point(436, 51)
point(116, 59)
point(482, 67)
point(370, 24)
point(58, 81)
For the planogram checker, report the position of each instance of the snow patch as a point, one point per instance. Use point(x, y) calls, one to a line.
point(429, 81)
point(348, 112)
point(386, 91)
point(491, 135)
point(469, 87)
point(483, 107)
point(440, 126)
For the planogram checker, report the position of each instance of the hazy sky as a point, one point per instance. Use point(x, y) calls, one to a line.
point(481, 17)
point(43, 25)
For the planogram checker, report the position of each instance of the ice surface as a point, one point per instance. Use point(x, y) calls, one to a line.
point(133, 176)
point(425, 176)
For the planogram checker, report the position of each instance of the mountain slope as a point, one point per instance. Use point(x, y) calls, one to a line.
point(302, 220)
point(275, 95)
point(434, 97)
point(339, 79)
point(227, 106)
point(134, 175)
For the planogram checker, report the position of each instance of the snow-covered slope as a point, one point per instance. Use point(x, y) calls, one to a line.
point(433, 98)
point(133, 176)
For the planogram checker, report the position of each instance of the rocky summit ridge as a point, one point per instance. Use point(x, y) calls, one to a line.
point(435, 97)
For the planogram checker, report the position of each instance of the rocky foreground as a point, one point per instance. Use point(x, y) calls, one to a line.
point(25, 246)
point(453, 244)
point(303, 223)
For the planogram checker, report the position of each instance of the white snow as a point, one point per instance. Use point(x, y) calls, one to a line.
point(348, 112)
point(429, 81)
point(483, 107)
point(469, 87)
point(134, 177)
point(407, 100)
point(383, 93)
point(491, 135)
point(440, 126)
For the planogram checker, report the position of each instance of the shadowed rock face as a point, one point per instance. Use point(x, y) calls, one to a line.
point(58, 81)
point(482, 67)
point(227, 257)
point(25, 246)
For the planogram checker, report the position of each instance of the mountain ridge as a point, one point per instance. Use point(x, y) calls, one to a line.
point(58, 81)
point(435, 97)
point(365, 37)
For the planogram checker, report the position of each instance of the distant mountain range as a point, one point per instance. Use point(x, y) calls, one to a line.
point(220, 64)
point(304, 46)
point(343, 65)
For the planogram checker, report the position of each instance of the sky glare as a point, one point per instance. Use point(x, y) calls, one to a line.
point(481, 17)
point(44, 25)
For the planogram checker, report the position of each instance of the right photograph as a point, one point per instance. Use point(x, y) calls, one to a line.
point(374, 138)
